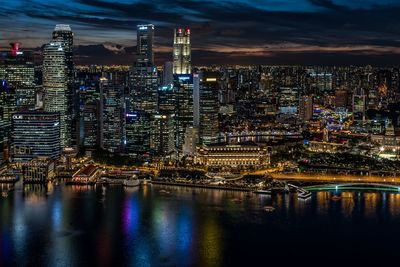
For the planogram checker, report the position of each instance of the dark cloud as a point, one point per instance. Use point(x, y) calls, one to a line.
point(266, 29)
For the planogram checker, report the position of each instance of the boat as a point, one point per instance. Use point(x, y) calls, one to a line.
point(268, 208)
point(336, 198)
point(131, 182)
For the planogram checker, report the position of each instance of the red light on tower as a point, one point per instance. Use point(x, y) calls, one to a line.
point(14, 48)
point(188, 31)
point(180, 30)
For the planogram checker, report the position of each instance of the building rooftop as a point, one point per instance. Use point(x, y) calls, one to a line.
point(62, 27)
point(86, 171)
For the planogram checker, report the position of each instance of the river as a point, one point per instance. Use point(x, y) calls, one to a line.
point(157, 225)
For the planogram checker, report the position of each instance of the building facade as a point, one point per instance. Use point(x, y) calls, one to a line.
point(182, 52)
point(233, 156)
point(111, 122)
point(209, 107)
point(55, 87)
point(35, 134)
point(63, 33)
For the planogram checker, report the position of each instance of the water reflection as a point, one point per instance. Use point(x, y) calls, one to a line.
point(104, 226)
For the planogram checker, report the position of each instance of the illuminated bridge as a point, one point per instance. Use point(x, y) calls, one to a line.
point(354, 186)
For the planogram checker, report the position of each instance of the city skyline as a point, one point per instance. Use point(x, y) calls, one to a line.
point(227, 32)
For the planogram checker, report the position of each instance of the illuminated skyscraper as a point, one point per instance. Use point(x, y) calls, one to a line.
point(137, 142)
point(162, 134)
point(35, 134)
point(55, 86)
point(7, 109)
point(183, 90)
point(168, 77)
point(63, 33)
point(144, 37)
point(144, 76)
point(18, 70)
point(209, 107)
point(182, 52)
point(111, 121)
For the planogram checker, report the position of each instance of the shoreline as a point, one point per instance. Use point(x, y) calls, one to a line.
point(203, 186)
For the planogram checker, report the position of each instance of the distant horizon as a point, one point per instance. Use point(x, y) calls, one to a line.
point(98, 56)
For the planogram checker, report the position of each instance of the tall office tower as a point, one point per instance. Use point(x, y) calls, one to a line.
point(144, 38)
point(137, 130)
point(183, 90)
point(182, 51)
point(168, 73)
point(209, 107)
point(306, 108)
point(111, 121)
point(35, 134)
point(144, 75)
point(7, 108)
point(196, 100)
point(63, 33)
point(162, 134)
point(89, 114)
point(18, 70)
point(166, 99)
point(55, 87)
point(144, 94)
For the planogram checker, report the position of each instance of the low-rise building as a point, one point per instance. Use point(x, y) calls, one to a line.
point(247, 154)
point(87, 174)
point(38, 170)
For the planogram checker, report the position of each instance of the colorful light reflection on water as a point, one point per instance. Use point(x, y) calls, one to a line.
point(104, 226)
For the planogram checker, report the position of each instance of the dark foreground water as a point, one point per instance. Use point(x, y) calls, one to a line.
point(81, 226)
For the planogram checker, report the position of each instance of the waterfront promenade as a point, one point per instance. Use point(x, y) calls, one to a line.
point(336, 178)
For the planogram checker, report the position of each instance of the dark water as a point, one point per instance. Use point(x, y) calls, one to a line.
point(79, 226)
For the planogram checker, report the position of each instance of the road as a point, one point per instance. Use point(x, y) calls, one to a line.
point(335, 178)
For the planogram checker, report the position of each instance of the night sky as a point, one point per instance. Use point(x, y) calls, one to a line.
point(234, 31)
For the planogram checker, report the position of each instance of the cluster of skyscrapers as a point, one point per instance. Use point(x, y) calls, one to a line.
point(144, 112)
